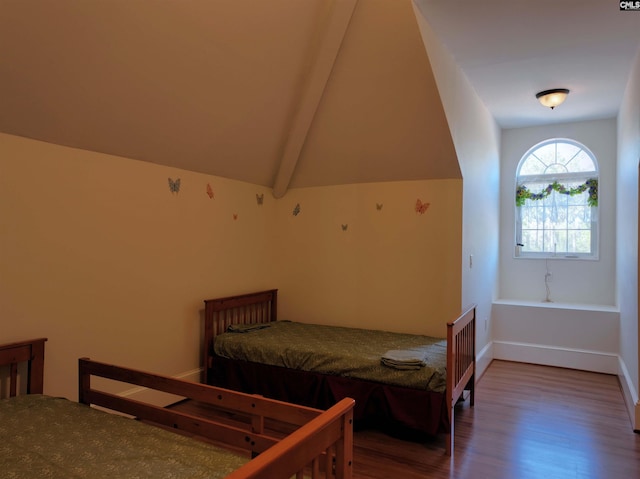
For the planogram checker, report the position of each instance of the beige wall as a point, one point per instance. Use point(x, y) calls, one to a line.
point(393, 268)
point(100, 257)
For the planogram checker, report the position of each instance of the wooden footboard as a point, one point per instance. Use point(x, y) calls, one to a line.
point(461, 364)
point(30, 352)
point(321, 445)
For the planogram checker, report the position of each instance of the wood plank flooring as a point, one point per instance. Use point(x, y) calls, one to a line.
point(528, 422)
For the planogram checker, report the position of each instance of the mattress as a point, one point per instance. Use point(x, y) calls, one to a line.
point(53, 438)
point(339, 351)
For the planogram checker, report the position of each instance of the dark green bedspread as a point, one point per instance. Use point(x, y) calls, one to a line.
point(44, 437)
point(347, 352)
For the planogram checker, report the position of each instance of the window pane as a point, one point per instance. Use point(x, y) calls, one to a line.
point(566, 152)
point(531, 216)
point(551, 220)
point(532, 166)
point(579, 217)
point(580, 199)
point(546, 153)
point(532, 240)
point(555, 241)
point(555, 169)
point(580, 241)
point(582, 162)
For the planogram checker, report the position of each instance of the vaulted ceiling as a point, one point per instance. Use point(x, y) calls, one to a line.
point(284, 93)
point(295, 93)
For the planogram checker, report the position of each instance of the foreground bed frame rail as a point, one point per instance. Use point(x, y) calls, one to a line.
point(31, 352)
point(261, 307)
point(320, 446)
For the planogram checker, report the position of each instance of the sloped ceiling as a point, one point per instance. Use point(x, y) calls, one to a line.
point(280, 93)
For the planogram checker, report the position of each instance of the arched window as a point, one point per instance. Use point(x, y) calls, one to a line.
point(557, 201)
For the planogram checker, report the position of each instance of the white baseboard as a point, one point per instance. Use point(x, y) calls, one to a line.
point(158, 398)
point(630, 395)
point(483, 359)
point(585, 360)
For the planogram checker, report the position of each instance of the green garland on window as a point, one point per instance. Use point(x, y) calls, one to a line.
point(523, 194)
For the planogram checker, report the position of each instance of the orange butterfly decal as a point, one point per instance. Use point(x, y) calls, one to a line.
point(421, 207)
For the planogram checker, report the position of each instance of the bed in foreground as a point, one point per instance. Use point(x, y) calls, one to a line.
point(47, 437)
point(246, 348)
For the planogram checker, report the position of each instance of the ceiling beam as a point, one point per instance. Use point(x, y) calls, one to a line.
point(327, 50)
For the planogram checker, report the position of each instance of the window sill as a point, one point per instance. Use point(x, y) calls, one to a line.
point(555, 257)
point(545, 304)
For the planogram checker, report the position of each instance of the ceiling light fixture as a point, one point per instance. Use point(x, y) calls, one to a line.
point(552, 98)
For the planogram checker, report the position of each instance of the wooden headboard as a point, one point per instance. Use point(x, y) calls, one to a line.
point(260, 307)
point(31, 352)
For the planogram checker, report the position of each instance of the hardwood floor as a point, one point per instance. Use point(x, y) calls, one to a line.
point(528, 422)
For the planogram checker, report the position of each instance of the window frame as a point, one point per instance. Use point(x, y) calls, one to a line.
point(562, 178)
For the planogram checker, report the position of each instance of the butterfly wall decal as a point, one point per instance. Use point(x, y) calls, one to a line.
point(344, 227)
point(421, 207)
point(235, 216)
point(378, 206)
point(174, 186)
point(296, 210)
point(260, 198)
point(210, 191)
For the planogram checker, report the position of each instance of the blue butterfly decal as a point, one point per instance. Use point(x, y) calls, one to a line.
point(174, 186)
point(296, 210)
point(260, 198)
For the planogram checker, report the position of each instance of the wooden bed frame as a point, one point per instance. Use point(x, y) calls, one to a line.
point(30, 352)
point(261, 307)
point(320, 446)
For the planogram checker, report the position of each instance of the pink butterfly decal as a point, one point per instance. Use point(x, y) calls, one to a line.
point(210, 191)
point(421, 207)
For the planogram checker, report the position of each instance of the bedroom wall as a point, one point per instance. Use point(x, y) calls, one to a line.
point(582, 291)
point(627, 241)
point(581, 281)
point(99, 256)
point(476, 137)
point(363, 256)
